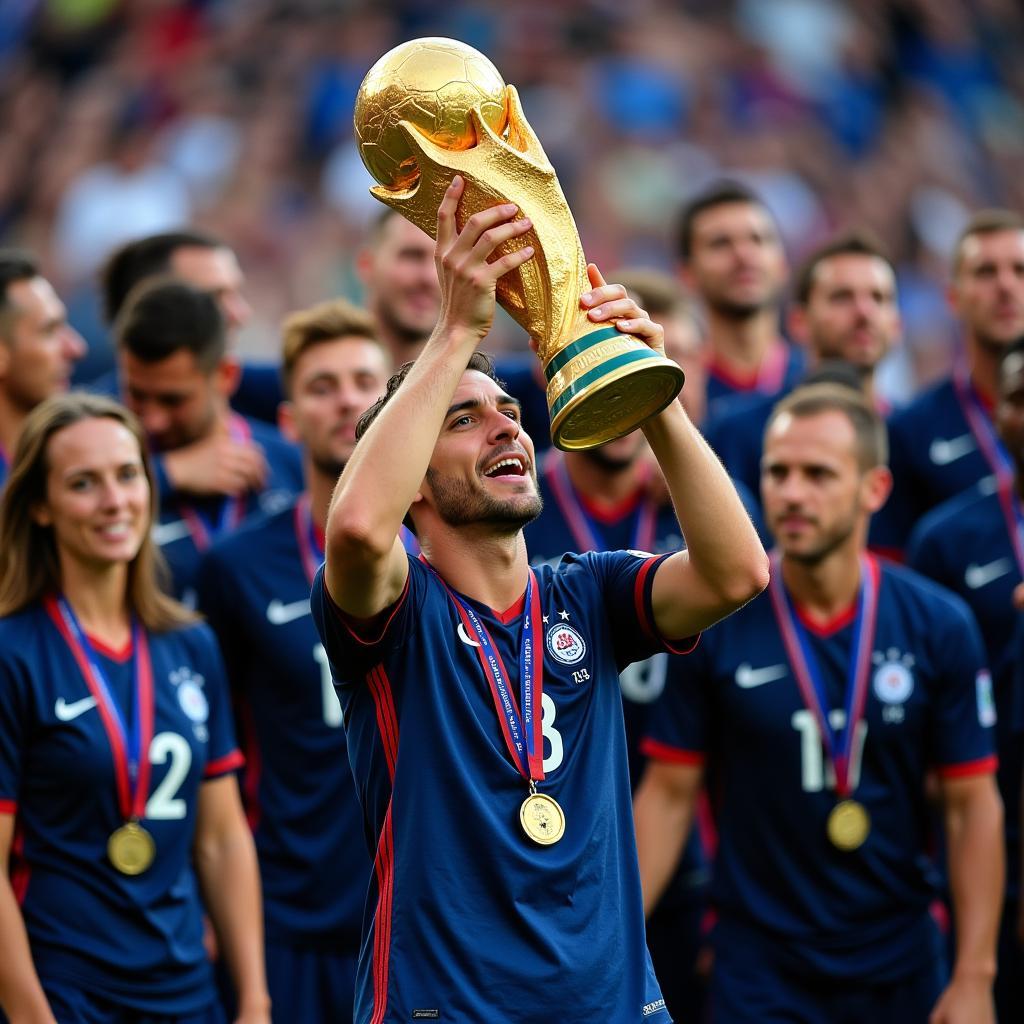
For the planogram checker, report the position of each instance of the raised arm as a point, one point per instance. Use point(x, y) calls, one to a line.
point(366, 563)
point(724, 564)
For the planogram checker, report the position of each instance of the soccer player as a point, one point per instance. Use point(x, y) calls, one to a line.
point(38, 347)
point(481, 697)
point(118, 802)
point(945, 441)
point(731, 258)
point(844, 308)
point(817, 713)
point(254, 588)
point(399, 279)
point(974, 545)
point(177, 378)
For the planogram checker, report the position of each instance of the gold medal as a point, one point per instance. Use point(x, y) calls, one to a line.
point(542, 818)
point(131, 849)
point(848, 825)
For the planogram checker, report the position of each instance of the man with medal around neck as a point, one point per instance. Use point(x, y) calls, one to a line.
point(487, 745)
point(818, 712)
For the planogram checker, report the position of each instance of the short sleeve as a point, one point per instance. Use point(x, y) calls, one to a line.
point(355, 644)
point(962, 739)
point(626, 579)
point(15, 725)
point(223, 755)
point(679, 725)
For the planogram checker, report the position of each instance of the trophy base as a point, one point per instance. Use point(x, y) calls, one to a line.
point(603, 386)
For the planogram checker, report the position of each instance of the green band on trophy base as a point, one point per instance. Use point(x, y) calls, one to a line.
point(579, 346)
point(612, 398)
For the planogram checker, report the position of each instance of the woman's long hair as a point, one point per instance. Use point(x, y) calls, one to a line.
point(29, 565)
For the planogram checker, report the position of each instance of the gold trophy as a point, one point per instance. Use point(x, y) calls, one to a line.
point(433, 108)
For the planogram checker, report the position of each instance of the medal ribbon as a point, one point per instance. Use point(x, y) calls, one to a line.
point(522, 732)
point(808, 674)
point(128, 746)
point(310, 548)
point(232, 509)
point(582, 527)
point(984, 431)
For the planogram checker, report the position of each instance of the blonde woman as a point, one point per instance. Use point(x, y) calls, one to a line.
point(118, 803)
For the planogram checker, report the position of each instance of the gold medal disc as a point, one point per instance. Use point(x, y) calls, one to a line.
point(848, 825)
point(542, 819)
point(131, 849)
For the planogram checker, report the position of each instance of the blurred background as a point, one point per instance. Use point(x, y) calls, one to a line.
point(124, 117)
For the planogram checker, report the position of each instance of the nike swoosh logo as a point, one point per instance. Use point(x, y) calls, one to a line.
point(66, 712)
point(167, 533)
point(978, 576)
point(279, 613)
point(943, 452)
point(747, 677)
point(465, 637)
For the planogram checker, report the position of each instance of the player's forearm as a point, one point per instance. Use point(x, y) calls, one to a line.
point(21, 994)
point(976, 872)
point(663, 821)
point(722, 544)
point(389, 463)
point(229, 876)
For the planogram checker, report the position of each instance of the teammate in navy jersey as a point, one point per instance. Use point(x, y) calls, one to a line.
point(817, 712)
point(732, 259)
point(505, 883)
point(116, 750)
point(974, 545)
point(177, 379)
point(254, 588)
point(38, 347)
point(944, 442)
point(844, 308)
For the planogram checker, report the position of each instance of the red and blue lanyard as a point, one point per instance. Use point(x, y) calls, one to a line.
point(585, 532)
point(809, 678)
point(129, 744)
point(521, 729)
point(232, 509)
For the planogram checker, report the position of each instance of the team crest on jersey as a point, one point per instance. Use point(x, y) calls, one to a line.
point(193, 701)
point(893, 680)
point(565, 644)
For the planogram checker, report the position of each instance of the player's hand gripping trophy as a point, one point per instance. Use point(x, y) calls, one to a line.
point(433, 108)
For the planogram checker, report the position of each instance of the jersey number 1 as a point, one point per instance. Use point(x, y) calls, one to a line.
point(814, 774)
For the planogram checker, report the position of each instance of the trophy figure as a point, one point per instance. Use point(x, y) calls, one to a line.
point(433, 108)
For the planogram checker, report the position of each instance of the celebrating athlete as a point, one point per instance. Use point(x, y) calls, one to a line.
point(481, 697)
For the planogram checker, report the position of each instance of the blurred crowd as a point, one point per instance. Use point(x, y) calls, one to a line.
point(126, 117)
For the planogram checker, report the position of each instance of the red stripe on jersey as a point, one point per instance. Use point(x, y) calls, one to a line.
point(982, 766)
point(253, 764)
point(8, 806)
point(20, 870)
point(384, 862)
point(658, 751)
point(683, 645)
point(222, 765)
point(353, 625)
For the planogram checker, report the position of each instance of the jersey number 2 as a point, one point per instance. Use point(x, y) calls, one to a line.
point(164, 804)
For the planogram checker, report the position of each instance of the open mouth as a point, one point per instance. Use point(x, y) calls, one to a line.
point(508, 466)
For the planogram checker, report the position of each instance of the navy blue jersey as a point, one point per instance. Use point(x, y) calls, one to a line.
point(254, 587)
point(736, 704)
point(134, 940)
point(935, 453)
point(965, 544)
point(188, 525)
point(781, 370)
point(466, 919)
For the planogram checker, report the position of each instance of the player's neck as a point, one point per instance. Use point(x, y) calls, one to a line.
point(489, 568)
point(98, 597)
point(983, 368)
point(605, 487)
point(12, 419)
point(824, 590)
point(320, 486)
point(741, 345)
